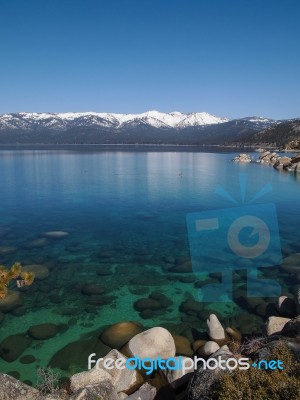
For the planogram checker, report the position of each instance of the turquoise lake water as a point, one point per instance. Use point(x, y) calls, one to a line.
point(124, 213)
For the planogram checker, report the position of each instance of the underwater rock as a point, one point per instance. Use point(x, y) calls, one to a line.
point(286, 307)
point(215, 329)
point(6, 250)
point(43, 331)
point(56, 234)
point(183, 345)
point(291, 263)
point(147, 314)
point(77, 353)
point(275, 325)
point(29, 359)
point(90, 289)
point(152, 343)
point(147, 304)
point(12, 388)
point(208, 349)
point(119, 334)
point(13, 346)
point(12, 300)
point(187, 279)
point(40, 271)
point(163, 300)
point(37, 243)
point(197, 344)
point(234, 334)
point(184, 267)
point(2, 316)
point(191, 307)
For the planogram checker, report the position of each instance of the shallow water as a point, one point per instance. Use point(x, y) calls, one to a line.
point(125, 215)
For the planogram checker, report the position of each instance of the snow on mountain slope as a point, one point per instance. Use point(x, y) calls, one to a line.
point(63, 121)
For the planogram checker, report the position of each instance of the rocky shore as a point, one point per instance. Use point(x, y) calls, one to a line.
point(132, 384)
point(291, 164)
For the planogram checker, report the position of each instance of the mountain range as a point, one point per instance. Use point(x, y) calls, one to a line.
point(152, 127)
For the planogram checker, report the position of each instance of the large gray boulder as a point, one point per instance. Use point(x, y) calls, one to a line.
point(11, 388)
point(152, 343)
point(124, 380)
point(94, 376)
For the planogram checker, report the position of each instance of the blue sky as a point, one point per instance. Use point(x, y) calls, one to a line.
point(227, 57)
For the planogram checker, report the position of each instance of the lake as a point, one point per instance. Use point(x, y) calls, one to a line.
point(120, 250)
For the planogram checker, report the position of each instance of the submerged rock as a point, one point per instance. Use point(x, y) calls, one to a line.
point(56, 234)
point(12, 300)
point(119, 334)
point(43, 331)
point(40, 271)
point(183, 345)
point(13, 346)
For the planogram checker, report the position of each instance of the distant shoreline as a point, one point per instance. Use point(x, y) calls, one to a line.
point(118, 147)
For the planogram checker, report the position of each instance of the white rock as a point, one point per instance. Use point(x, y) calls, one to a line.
point(215, 329)
point(124, 380)
point(152, 343)
point(209, 348)
point(145, 392)
point(275, 324)
point(174, 375)
point(91, 377)
point(12, 388)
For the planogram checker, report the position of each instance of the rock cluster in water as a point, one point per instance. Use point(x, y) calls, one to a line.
point(291, 164)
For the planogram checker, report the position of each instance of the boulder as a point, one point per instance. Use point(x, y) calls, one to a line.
point(282, 162)
point(94, 376)
point(117, 335)
point(145, 392)
point(12, 388)
point(92, 289)
point(215, 330)
point(43, 331)
point(147, 304)
point(242, 158)
point(286, 307)
point(183, 345)
point(275, 325)
point(12, 300)
point(13, 346)
point(208, 349)
point(124, 380)
point(152, 343)
point(6, 250)
point(40, 271)
point(292, 263)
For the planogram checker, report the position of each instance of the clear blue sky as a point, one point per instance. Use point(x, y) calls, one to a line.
point(227, 57)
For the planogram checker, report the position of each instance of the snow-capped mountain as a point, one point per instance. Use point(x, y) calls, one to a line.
point(65, 121)
point(151, 127)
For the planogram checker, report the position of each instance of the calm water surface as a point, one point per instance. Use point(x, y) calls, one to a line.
point(125, 215)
